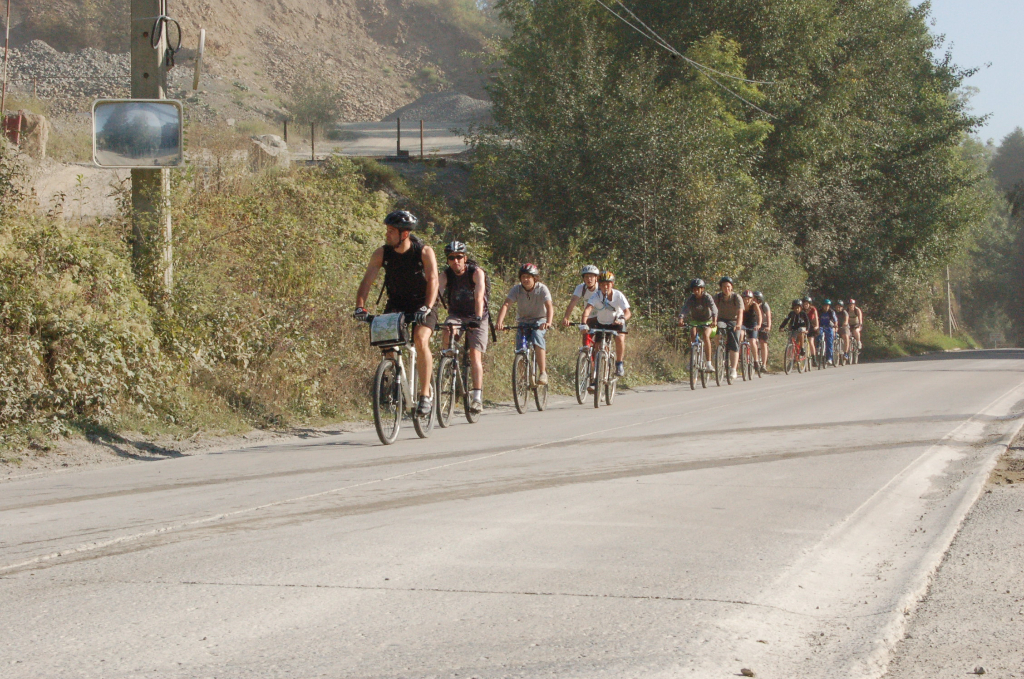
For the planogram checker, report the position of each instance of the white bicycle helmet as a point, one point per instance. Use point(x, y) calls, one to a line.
point(590, 268)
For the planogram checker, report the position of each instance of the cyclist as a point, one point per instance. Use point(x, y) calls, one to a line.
point(583, 291)
point(608, 309)
point(702, 313)
point(533, 305)
point(752, 321)
point(797, 321)
point(843, 324)
point(766, 327)
point(410, 278)
point(730, 311)
point(463, 286)
point(812, 329)
point(827, 318)
point(856, 321)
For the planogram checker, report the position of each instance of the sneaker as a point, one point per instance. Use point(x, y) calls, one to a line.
point(732, 374)
point(591, 387)
point(543, 379)
point(425, 405)
point(710, 367)
point(620, 369)
point(476, 405)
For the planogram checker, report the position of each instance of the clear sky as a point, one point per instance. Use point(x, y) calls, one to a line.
point(981, 32)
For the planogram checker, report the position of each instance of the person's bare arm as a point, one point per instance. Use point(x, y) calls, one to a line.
point(586, 313)
point(480, 281)
point(627, 314)
point(430, 273)
point(549, 306)
point(501, 315)
point(568, 311)
point(372, 269)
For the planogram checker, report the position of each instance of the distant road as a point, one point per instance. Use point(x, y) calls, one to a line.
point(379, 139)
point(786, 526)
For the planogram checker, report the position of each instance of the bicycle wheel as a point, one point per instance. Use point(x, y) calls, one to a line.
point(467, 375)
point(719, 363)
point(703, 371)
point(601, 367)
point(520, 382)
point(540, 392)
point(694, 366)
point(749, 367)
point(854, 351)
point(609, 390)
point(387, 401)
point(801, 357)
point(446, 388)
point(837, 352)
point(787, 365)
point(423, 424)
point(582, 376)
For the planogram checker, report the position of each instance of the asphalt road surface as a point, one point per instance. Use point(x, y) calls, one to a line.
point(786, 526)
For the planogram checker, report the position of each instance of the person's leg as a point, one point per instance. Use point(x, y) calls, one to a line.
point(424, 358)
point(541, 350)
point(733, 347)
point(706, 332)
point(476, 367)
point(764, 352)
point(620, 348)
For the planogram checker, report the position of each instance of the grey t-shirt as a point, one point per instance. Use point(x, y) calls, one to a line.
point(530, 306)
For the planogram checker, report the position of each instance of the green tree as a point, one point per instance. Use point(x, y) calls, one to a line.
point(316, 99)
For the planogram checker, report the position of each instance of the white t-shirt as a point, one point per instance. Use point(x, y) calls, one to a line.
point(581, 291)
point(608, 311)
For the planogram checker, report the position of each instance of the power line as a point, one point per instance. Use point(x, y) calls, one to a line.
point(701, 68)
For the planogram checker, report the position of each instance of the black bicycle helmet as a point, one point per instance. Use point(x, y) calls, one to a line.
point(725, 279)
point(748, 294)
point(758, 295)
point(403, 220)
point(808, 299)
point(839, 302)
point(697, 283)
point(796, 303)
point(529, 269)
point(456, 247)
point(606, 277)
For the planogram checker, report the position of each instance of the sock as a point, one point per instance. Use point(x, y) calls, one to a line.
point(476, 395)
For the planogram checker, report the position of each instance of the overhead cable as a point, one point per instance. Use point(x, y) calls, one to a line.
point(701, 68)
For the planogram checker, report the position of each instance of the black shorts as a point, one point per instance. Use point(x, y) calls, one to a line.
point(430, 321)
point(621, 329)
point(732, 339)
point(762, 335)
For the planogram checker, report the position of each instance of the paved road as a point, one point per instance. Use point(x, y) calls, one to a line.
point(785, 526)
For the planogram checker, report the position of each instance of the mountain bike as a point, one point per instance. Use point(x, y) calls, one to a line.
point(721, 355)
point(525, 373)
point(837, 349)
point(697, 367)
point(454, 375)
point(605, 380)
point(748, 360)
point(854, 349)
point(395, 392)
point(795, 355)
point(584, 369)
point(819, 350)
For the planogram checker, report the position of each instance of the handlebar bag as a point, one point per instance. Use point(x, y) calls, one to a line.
point(389, 330)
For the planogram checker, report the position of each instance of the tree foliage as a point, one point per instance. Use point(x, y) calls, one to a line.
point(607, 146)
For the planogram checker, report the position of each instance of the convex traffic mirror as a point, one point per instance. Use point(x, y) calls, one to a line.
point(136, 133)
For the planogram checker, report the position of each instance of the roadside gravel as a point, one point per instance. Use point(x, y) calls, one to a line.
point(973, 614)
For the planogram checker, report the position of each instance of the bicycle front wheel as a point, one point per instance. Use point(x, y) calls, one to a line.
point(787, 365)
point(609, 390)
point(719, 364)
point(471, 417)
point(387, 401)
point(423, 424)
point(695, 367)
point(445, 386)
point(601, 367)
point(520, 382)
point(540, 392)
point(582, 376)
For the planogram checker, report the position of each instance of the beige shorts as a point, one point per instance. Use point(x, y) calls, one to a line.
point(844, 331)
point(478, 337)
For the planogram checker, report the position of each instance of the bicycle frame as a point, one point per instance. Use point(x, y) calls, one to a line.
point(406, 376)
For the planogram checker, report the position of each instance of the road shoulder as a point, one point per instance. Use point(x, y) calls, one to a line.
point(973, 614)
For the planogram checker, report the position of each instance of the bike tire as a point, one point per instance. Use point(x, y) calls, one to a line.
point(694, 367)
point(520, 382)
point(854, 351)
point(751, 364)
point(582, 376)
point(609, 390)
point(423, 424)
point(601, 365)
point(787, 365)
point(719, 364)
point(471, 417)
point(387, 401)
point(446, 388)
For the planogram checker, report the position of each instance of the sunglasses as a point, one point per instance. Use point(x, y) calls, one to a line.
point(452, 258)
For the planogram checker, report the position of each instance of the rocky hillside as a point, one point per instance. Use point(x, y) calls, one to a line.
point(382, 54)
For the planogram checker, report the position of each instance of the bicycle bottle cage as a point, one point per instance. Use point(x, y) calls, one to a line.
point(389, 330)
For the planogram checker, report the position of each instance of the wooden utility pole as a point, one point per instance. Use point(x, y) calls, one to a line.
point(7, 47)
point(421, 140)
point(151, 189)
point(312, 141)
point(399, 143)
point(949, 303)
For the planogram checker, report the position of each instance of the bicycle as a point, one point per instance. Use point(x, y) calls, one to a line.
point(584, 370)
point(454, 375)
point(525, 373)
point(697, 366)
point(748, 361)
point(721, 355)
point(854, 349)
point(795, 355)
point(837, 350)
point(604, 359)
point(395, 391)
point(819, 350)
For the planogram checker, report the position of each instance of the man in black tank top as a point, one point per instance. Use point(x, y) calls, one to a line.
point(463, 287)
point(410, 278)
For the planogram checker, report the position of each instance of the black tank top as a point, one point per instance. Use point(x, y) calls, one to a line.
point(462, 292)
point(404, 278)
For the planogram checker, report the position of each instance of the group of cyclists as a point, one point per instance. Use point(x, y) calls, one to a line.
point(414, 286)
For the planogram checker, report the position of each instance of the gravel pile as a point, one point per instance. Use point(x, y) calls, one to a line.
point(448, 107)
point(65, 79)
